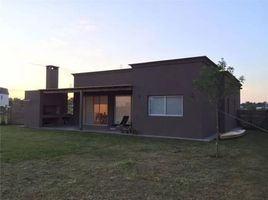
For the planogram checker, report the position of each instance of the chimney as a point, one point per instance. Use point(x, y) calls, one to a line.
point(52, 77)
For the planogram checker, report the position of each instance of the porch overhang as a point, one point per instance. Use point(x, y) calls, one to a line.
point(103, 88)
point(91, 89)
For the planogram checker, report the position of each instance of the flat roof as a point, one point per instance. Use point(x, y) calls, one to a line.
point(104, 71)
point(153, 63)
point(204, 59)
point(172, 61)
point(101, 88)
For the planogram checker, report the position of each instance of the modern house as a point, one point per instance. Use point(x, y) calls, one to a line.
point(4, 101)
point(158, 97)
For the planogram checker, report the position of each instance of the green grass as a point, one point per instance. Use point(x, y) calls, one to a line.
point(41, 164)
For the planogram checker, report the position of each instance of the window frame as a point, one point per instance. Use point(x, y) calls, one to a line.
point(165, 106)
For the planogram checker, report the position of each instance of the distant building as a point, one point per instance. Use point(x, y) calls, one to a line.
point(259, 108)
point(4, 102)
point(266, 106)
point(4, 105)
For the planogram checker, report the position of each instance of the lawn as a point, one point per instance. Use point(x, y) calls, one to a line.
point(42, 164)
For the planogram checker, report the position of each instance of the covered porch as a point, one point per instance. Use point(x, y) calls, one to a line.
point(96, 108)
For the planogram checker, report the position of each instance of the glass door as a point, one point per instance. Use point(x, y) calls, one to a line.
point(122, 108)
point(96, 110)
point(100, 105)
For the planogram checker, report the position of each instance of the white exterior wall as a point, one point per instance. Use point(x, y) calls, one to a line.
point(4, 100)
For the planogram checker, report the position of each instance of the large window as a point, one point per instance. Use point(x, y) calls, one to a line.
point(165, 105)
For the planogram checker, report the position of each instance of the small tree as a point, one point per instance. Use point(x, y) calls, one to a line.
point(212, 82)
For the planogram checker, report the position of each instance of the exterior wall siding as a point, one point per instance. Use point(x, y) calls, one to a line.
point(229, 109)
point(233, 102)
point(171, 80)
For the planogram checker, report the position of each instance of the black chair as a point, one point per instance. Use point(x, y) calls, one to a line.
point(122, 126)
point(124, 121)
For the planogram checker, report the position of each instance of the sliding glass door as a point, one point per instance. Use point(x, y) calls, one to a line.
point(122, 108)
point(96, 110)
point(100, 109)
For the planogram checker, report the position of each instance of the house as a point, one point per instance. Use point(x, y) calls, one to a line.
point(4, 100)
point(158, 97)
point(4, 105)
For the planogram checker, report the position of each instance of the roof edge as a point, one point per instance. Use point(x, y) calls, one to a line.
point(88, 87)
point(171, 61)
point(4, 91)
point(104, 71)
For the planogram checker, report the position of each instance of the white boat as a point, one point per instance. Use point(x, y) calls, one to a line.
point(238, 132)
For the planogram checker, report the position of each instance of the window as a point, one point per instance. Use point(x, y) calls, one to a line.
point(165, 105)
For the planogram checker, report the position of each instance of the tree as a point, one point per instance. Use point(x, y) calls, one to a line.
point(216, 83)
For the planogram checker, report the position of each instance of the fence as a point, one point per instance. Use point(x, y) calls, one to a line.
point(16, 112)
point(256, 117)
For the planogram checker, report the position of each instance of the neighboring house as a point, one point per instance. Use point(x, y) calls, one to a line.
point(4, 105)
point(4, 100)
point(158, 97)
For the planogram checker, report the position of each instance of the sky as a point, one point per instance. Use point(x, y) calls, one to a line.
point(87, 35)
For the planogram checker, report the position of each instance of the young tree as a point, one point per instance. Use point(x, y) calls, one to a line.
point(216, 83)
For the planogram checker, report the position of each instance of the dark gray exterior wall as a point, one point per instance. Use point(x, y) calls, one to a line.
point(198, 120)
point(231, 107)
point(113, 77)
point(234, 104)
point(172, 79)
point(32, 109)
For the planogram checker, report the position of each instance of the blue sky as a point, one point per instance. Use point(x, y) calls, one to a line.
point(98, 35)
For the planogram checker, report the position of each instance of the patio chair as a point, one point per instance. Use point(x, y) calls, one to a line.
point(123, 126)
point(124, 121)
